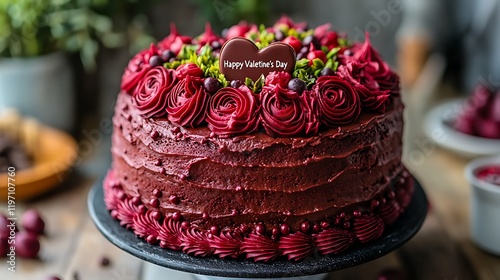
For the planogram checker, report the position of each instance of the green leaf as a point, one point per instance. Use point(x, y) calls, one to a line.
point(332, 52)
point(318, 63)
point(249, 82)
point(302, 63)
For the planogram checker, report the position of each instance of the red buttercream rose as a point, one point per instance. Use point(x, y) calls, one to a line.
point(137, 68)
point(311, 108)
point(282, 112)
point(150, 96)
point(187, 101)
point(188, 69)
point(338, 101)
point(174, 41)
point(376, 67)
point(233, 111)
point(372, 98)
point(278, 78)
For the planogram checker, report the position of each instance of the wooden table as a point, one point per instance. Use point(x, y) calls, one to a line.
point(73, 248)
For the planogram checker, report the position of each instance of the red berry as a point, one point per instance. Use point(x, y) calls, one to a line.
point(305, 226)
point(294, 42)
point(285, 229)
point(32, 222)
point(27, 245)
point(316, 54)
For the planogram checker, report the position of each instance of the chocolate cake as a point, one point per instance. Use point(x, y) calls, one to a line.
point(279, 164)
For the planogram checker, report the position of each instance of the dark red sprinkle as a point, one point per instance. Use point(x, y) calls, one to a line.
point(245, 228)
point(174, 199)
point(337, 220)
point(342, 215)
point(158, 162)
point(185, 225)
point(347, 225)
point(157, 215)
point(154, 202)
point(205, 216)
point(212, 134)
point(176, 129)
point(105, 261)
point(129, 118)
point(375, 203)
point(234, 212)
point(305, 226)
point(214, 230)
point(142, 209)
point(316, 228)
point(136, 200)
point(325, 224)
point(260, 229)
point(356, 213)
point(151, 239)
point(285, 229)
point(275, 231)
point(179, 135)
point(157, 193)
point(177, 216)
point(155, 134)
point(238, 188)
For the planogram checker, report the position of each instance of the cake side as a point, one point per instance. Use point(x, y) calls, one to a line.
point(266, 180)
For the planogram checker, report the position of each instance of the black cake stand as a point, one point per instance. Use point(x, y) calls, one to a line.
point(403, 230)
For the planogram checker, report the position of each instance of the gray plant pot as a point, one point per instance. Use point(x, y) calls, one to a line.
point(41, 87)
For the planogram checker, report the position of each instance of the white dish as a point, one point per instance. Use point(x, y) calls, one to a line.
point(437, 127)
point(485, 207)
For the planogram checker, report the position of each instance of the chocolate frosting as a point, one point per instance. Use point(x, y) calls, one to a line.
point(255, 177)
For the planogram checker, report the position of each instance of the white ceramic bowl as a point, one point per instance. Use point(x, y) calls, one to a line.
point(436, 127)
point(310, 277)
point(485, 207)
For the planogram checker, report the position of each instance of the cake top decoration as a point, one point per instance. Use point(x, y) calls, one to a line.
point(240, 58)
point(286, 80)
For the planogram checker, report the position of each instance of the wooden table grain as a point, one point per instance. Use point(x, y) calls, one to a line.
point(72, 247)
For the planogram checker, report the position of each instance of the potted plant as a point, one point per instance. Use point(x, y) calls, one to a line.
point(35, 37)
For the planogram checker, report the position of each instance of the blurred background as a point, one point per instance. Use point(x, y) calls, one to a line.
point(61, 63)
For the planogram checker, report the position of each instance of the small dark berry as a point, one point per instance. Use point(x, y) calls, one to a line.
point(136, 200)
point(185, 225)
point(157, 215)
point(324, 224)
point(155, 61)
point(205, 216)
point(174, 199)
point(177, 216)
point(105, 261)
point(327, 72)
point(244, 228)
point(278, 35)
point(155, 134)
point(297, 85)
point(236, 83)
point(285, 229)
point(305, 226)
point(311, 39)
point(316, 228)
point(275, 231)
point(156, 193)
point(215, 45)
point(211, 85)
point(347, 52)
point(166, 55)
point(356, 213)
point(260, 229)
point(215, 230)
point(154, 202)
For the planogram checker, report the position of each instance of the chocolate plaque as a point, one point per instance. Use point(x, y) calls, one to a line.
point(240, 58)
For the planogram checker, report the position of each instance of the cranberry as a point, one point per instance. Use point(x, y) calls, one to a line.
point(294, 43)
point(305, 226)
point(316, 54)
point(285, 229)
point(27, 244)
point(32, 222)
